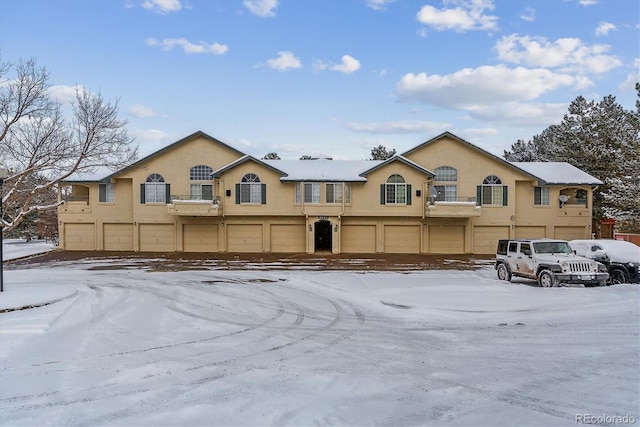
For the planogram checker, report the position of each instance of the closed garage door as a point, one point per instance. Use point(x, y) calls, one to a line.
point(570, 233)
point(79, 237)
point(157, 238)
point(244, 237)
point(288, 238)
point(200, 237)
point(485, 239)
point(358, 239)
point(402, 239)
point(446, 239)
point(118, 237)
point(530, 232)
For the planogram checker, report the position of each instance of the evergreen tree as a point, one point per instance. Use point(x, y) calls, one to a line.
point(603, 139)
point(380, 153)
point(271, 156)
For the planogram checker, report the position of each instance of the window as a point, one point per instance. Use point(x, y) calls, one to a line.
point(446, 192)
point(541, 196)
point(574, 197)
point(395, 191)
point(200, 173)
point(334, 193)
point(201, 192)
point(298, 193)
point(155, 190)
point(312, 192)
point(106, 193)
point(492, 192)
point(250, 190)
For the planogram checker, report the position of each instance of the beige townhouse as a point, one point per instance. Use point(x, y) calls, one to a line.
point(444, 196)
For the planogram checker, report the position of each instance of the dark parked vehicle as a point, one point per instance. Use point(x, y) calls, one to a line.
point(621, 258)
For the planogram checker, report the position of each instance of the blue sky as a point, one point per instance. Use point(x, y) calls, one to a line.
point(336, 77)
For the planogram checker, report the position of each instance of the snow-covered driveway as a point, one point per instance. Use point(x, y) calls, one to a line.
point(247, 347)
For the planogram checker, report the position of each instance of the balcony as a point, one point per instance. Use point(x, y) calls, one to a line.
point(188, 205)
point(462, 207)
point(75, 204)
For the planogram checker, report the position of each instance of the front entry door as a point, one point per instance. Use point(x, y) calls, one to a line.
point(323, 235)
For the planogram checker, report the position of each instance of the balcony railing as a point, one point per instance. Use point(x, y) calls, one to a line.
point(68, 198)
point(461, 207)
point(191, 205)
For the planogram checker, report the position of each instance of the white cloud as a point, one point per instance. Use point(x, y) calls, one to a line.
point(65, 94)
point(632, 78)
point(149, 134)
point(528, 14)
point(567, 54)
point(378, 5)
point(263, 8)
point(349, 65)
point(486, 85)
point(604, 28)
point(520, 114)
point(284, 61)
point(475, 133)
point(189, 47)
point(162, 6)
point(400, 127)
point(141, 111)
point(587, 2)
point(468, 15)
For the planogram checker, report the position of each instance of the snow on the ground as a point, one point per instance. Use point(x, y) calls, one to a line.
point(249, 347)
point(18, 248)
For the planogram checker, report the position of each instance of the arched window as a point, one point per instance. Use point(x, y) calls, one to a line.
point(395, 191)
point(200, 191)
point(155, 189)
point(200, 173)
point(493, 192)
point(251, 190)
point(444, 181)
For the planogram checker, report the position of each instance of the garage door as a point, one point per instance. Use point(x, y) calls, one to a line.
point(446, 239)
point(288, 238)
point(402, 239)
point(157, 238)
point(118, 237)
point(358, 239)
point(485, 239)
point(570, 233)
point(244, 237)
point(531, 232)
point(200, 237)
point(79, 237)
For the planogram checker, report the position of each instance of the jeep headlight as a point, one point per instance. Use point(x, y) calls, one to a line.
point(565, 266)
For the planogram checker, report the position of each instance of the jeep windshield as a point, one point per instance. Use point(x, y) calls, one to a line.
point(552, 248)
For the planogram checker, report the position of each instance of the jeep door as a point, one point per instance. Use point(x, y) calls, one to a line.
point(524, 260)
point(512, 254)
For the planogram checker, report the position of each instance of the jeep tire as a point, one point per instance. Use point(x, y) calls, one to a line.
point(504, 273)
point(546, 279)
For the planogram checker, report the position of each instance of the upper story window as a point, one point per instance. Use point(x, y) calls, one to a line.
point(445, 184)
point(334, 192)
point(492, 192)
point(106, 193)
point(312, 192)
point(395, 192)
point(250, 190)
point(200, 191)
point(154, 190)
point(200, 173)
point(541, 196)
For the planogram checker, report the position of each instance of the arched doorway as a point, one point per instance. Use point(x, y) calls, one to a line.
point(323, 235)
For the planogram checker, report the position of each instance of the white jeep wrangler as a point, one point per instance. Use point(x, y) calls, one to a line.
point(549, 262)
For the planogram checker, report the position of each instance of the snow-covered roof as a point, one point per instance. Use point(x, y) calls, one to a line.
point(323, 169)
point(96, 174)
point(557, 173)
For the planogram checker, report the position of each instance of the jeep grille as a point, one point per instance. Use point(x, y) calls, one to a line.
point(579, 267)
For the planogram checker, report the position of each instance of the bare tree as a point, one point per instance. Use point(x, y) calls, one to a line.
point(39, 147)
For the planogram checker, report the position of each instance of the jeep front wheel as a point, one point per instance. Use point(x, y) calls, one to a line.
point(504, 273)
point(546, 279)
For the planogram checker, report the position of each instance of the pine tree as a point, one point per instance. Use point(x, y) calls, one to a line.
point(380, 153)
